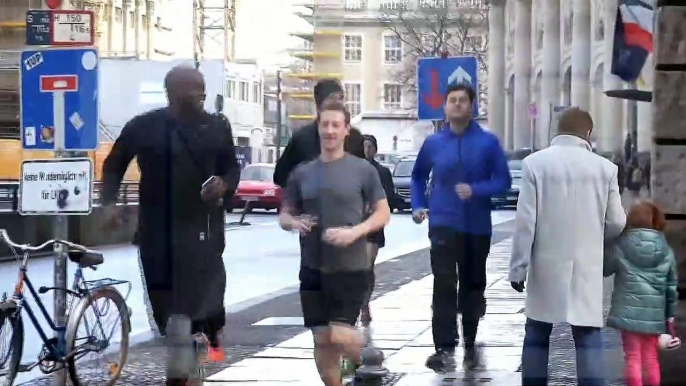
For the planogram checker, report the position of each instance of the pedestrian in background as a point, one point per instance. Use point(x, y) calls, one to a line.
point(326, 201)
point(188, 162)
point(569, 205)
point(304, 144)
point(644, 297)
point(377, 240)
point(468, 167)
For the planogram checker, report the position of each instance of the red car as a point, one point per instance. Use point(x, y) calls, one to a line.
point(257, 187)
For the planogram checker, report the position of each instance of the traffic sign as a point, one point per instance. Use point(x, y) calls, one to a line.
point(59, 99)
point(434, 75)
point(38, 27)
point(533, 110)
point(56, 186)
point(60, 28)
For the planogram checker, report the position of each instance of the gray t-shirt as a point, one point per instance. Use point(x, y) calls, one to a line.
point(337, 194)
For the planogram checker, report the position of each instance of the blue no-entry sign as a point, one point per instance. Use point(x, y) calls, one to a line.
point(59, 99)
point(434, 75)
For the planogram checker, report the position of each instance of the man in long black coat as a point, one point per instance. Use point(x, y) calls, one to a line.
point(304, 144)
point(180, 223)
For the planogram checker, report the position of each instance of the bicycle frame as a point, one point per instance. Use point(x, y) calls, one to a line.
point(80, 288)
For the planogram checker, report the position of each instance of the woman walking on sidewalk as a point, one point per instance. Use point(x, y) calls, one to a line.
point(644, 296)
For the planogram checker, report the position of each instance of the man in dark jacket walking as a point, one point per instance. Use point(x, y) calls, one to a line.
point(304, 144)
point(188, 162)
point(469, 167)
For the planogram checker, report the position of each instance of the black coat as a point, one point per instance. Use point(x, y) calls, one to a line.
point(386, 181)
point(304, 146)
point(181, 238)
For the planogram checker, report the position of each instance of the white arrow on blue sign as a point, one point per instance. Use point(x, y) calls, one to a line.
point(434, 75)
point(59, 99)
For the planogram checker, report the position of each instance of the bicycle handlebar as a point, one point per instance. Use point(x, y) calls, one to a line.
point(26, 247)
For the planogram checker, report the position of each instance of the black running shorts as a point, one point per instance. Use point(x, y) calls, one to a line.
point(335, 297)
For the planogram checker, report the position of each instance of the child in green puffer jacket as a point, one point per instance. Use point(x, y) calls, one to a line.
point(645, 293)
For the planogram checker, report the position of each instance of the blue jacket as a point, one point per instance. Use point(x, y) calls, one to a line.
point(474, 158)
point(645, 282)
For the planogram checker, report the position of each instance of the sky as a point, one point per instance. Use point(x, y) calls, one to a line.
point(263, 30)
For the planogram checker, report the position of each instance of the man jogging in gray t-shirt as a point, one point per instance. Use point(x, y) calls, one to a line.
point(326, 200)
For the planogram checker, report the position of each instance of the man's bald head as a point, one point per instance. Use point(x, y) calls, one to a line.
point(185, 89)
point(179, 75)
point(575, 121)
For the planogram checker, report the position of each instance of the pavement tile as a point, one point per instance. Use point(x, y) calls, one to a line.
point(485, 378)
point(270, 369)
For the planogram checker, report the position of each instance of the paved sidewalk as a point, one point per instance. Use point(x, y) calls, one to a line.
point(401, 328)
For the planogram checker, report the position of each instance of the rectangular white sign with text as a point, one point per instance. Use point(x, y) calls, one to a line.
point(56, 186)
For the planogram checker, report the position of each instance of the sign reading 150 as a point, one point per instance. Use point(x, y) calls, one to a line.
point(69, 17)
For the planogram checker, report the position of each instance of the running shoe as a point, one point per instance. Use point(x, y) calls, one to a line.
point(442, 361)
point(215, 354)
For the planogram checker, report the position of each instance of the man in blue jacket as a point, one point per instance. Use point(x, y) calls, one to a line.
point(469, 167)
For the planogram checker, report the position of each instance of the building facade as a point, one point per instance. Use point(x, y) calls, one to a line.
point(372, 45)
point(545, 53)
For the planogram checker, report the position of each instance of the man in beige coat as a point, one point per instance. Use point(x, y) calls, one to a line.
point(569, 204)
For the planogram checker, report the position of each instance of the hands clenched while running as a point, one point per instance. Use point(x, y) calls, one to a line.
point(302, 224)
point(341, 237)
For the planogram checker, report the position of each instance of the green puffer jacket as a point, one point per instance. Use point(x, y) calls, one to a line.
point(645, 282)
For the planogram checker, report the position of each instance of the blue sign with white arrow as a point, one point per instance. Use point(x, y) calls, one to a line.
point(59, 99)
point(434, 75)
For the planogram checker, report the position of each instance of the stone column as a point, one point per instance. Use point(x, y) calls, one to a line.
point(496, 68)
point(610, 129)
point(522, 67)
point(551, 68)
point(669, 114)
point(581, 53)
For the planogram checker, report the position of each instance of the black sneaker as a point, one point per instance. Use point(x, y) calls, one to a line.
point(443, 361)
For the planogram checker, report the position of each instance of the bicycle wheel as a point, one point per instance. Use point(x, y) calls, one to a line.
point(11, 347)
point(98, 338)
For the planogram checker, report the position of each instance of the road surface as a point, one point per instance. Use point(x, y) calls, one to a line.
point(261, 261)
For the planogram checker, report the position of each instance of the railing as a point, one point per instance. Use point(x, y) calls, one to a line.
point(9, 195)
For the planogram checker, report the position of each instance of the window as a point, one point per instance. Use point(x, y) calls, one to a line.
point(430, 44)
point(118, 14)
point(353, 98)
point(353, 48)
point(144, 21)
point(392, 96)
point(231, 89)
point(392, 52)
point(393, 4)
point(256, 92)
point(355, 4)
point(474, 43)
point(132, 19)
point(243, 91)
point(431, 3)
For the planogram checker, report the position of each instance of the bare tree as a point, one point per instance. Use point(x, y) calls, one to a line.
point(456, 27)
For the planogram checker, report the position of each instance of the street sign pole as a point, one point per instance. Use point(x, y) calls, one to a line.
point(59, 71)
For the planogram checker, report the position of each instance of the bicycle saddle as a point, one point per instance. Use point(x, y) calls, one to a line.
point(86, 259)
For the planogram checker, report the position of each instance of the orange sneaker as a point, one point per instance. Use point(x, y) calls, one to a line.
point(215, 354)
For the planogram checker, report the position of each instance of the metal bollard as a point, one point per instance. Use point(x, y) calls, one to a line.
point(372, 370)
point(182, 361)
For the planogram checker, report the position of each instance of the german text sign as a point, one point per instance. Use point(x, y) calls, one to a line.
point(72, 27)
point(56, 187)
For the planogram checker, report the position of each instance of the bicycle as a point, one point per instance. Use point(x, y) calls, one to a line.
point(64, 350)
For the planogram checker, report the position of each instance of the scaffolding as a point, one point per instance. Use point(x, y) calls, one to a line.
point(214, 29)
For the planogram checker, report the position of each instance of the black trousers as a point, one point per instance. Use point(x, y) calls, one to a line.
point(454, 256)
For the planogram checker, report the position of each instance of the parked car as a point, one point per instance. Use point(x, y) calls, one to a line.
point(402, 174)
point(511, 197)
point(257, 187)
